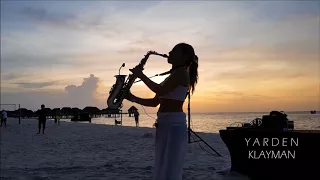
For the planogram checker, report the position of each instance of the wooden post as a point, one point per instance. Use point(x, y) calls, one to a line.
point(19, 115)
point(121, 116)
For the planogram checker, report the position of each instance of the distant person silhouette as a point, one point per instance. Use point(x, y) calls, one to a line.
point(4, 118)
point(136, 117)
point(57, 117)
point(171, 133)
point(42, 119)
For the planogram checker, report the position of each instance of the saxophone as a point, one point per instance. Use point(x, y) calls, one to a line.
point(122, 86)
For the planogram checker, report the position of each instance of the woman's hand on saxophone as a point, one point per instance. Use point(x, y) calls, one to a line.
point(137, 71)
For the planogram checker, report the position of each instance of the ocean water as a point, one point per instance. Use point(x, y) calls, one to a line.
point(213, 122)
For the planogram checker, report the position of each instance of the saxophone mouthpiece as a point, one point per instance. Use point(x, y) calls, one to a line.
point(165, 56)
point(155, 53)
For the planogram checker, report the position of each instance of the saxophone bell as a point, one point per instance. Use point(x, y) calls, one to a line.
point(122, 86)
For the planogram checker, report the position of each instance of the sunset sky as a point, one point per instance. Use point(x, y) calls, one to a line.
point(253, 56)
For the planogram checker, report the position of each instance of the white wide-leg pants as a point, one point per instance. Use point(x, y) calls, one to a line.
point(171, 145)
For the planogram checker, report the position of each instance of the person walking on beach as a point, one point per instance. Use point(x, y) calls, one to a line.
point(136, 117)
point(57, 117)
point(4, 118)
point(171, 132)
point(42, 119)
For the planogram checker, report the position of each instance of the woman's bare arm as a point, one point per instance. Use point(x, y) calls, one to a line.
point(168, 85)
point(151, 102)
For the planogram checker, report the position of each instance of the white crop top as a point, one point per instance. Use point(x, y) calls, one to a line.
point(179, 93)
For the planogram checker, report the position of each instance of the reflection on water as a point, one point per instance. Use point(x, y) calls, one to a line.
point(214, 122)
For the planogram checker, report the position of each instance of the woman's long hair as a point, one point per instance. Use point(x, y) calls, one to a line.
point(193, 74)
point(192, 63)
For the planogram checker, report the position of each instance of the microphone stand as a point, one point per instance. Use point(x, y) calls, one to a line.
point(190, 130)
point(189, 119)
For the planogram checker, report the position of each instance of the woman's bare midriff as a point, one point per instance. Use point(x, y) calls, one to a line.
point(169, 105)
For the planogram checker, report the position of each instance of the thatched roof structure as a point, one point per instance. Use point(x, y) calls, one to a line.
point(47, 111)
point(24, 112)
point(132, 109)
point(66, 111)
point(75, 111)
point(91, 110)
point(110, 111)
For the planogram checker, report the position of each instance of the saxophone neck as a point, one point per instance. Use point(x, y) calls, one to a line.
point(144, 60)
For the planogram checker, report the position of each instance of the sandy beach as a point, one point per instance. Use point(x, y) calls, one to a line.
point(94, 151)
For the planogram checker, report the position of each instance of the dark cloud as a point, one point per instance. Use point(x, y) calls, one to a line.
point(10, 60)
point(72, 96)
point(275, 10)
point(62, 19)
point(70, 21)
point(83, 94)
point(10, 76)
point(88, 85)
point(43, 15)
point(36, 84)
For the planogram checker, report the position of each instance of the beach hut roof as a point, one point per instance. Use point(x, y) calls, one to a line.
point(91, 109)
point(66, 108)
point(132, 108)
point(109, 110)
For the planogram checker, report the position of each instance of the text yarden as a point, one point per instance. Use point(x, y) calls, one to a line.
point(272, 142)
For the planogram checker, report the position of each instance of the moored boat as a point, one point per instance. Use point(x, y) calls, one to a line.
point(270, 148)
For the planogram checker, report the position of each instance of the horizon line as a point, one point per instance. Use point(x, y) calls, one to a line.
point(143, 112)
point(241, 112)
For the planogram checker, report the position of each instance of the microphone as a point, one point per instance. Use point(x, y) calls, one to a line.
point(123, 64)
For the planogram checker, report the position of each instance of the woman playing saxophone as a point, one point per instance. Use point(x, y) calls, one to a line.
point(171, 133)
